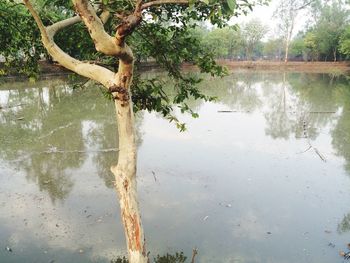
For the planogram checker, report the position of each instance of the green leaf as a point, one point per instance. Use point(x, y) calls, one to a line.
point(191, 3)
point(231, 4)
point(205, 1)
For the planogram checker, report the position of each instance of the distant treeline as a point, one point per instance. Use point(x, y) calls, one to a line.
point(326, 37)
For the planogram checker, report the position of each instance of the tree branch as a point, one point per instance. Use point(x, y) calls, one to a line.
point(104, 16)
point(54, 28)
point(94, 72)
point(103, 41)
point(304, 5)
point(163, 2)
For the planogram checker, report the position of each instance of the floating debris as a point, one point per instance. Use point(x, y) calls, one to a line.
point(269, 233)
point(154, 176)
point(8, 249)
point(205, 218)
point(330, 244)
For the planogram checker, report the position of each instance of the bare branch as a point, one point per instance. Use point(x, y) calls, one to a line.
point(304, 5)
point(94, 72)
point(163, 2)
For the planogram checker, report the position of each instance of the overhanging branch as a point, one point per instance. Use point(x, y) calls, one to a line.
point(163, 2)
point(94, 72)
point(54, 28)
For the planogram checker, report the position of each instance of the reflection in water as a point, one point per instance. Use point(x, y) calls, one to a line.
point(238, 185)
point(344, 225)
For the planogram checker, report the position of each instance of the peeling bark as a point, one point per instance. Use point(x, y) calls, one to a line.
point(125, 170)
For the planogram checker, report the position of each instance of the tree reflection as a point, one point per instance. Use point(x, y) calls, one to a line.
point(341, 132)
point(344, 225)
point(238, 91)
point(295, 105)
point(49, 132)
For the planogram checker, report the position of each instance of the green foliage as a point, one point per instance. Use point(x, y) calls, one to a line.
point(272, 49)
point(252, 33)
point(344, 42)
point(168, 258)
point(297, 48)
point(329, 27)
point(178, 257)
point(311, 45)
point(165, 36)
point(18, 40)
point(224, 42)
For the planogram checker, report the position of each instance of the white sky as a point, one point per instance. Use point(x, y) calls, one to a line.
point(264, 13)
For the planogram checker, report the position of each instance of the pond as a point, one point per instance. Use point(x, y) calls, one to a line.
point(263, 175)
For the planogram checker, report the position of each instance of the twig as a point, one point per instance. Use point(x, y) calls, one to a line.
point(305, 150)
point(309, 143)
point(319, 154)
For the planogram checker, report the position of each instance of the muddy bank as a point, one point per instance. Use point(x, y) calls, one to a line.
point(52, 69)
point(296, 66)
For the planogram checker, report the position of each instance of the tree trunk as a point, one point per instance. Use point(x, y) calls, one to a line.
point(125, 170)
point(335, 55)
point(288, 39)
point(286, 51)
point(119, 85)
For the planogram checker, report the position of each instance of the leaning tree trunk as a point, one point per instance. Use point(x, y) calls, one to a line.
point(125, 170)
point(286, 52)
point(119, 85)
point(288, 39)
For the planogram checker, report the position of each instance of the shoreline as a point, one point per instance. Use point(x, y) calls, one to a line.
point(47, 69)
point(292, 66)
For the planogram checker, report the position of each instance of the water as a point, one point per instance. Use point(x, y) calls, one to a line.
point(262, 176)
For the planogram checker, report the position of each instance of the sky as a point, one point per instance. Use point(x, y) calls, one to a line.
point(265, 13)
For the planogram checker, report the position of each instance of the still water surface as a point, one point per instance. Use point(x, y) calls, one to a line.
point(262, 176)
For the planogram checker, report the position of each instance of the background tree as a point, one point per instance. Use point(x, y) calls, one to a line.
point(286, 14)
point(272, 49)
point(311, 45)
point(224, 42)
point(329, 26)
point(344, 42)
point(298, 49)
point(252, 34)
